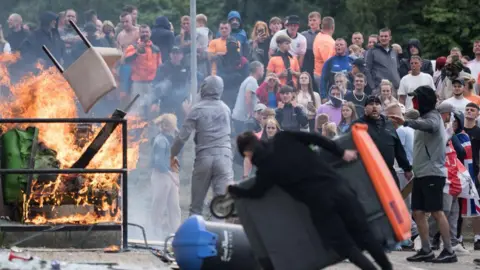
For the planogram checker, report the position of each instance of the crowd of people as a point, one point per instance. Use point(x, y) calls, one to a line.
point(280, 79)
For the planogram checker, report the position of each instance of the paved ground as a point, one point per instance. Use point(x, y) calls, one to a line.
point(144, 260)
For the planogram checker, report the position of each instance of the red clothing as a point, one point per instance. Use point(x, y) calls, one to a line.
point(144, 65)
point(262, 94)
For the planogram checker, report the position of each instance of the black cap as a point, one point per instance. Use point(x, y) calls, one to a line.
point(420, 89)
point(372, 99)
point(176, 49)
point(359, 62)
point(292, 19)
point(458, 80)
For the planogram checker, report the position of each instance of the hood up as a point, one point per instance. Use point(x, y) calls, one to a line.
point(211, 88)
point(414, 43)
point(460, 120)
point(162, 22)
point(234, 14)
point(47, 17)
point(426, 98)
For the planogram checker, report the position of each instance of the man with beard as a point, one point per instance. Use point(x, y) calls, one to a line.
point(458, 101)
point(144, 58)
point(430, 173)
point(17, 34)
point(288, 162)
point(385, 137)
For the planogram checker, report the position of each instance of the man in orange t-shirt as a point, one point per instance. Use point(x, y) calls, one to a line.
point(283, 64)
point(218, 46)
point(144, 58)
point(323, 47)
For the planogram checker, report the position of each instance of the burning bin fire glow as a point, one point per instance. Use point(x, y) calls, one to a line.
point(48, 95)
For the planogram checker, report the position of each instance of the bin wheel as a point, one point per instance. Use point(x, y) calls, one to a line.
point(222, 207)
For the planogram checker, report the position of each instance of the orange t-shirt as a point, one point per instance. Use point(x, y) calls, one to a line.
point(217, 45)
point(275, 65)
point(474, 98)
point(145, 65)
point(323, 48)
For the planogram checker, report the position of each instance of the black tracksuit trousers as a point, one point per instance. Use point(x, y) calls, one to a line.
point(341, 221)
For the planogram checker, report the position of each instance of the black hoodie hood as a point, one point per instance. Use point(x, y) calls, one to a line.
point(414, 43)
point(460, 120)
point(426, 97)
point(47, 17)
point(162, 22)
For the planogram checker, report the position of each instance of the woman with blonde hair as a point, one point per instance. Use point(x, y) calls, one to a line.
point(349, 114)
point(308, 99)
point(165, 180)
point(329, 130)
point(387, 93)
point(259, 43)
point(4, 45)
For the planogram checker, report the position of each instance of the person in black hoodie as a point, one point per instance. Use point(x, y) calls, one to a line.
point(172, 81)
point(385, 137)
point(233, 69)
point(163, 37)
point(48, 35)
point(288, 162)
point(414, 48)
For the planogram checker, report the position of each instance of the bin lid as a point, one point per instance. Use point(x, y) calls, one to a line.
point(193, 242)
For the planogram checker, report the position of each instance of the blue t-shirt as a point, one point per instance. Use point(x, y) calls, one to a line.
point(272, 100)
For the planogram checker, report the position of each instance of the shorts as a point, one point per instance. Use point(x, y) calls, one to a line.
point(427, 193)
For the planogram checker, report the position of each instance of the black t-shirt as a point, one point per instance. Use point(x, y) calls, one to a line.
point(358, 101)
point(474, 134)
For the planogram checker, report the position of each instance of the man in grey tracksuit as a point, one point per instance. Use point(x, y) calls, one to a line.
point(429, 155)
point(210, 119)
point(382, 63)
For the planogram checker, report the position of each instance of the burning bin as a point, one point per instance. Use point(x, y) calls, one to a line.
point(203, 245)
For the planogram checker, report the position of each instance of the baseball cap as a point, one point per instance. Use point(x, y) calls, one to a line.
point(372, 99)
point(176, 49)
point(412, 114)
point(292, 19)
point(445, 107)
point(458, 80)
point(259, 107)
point(359, 62)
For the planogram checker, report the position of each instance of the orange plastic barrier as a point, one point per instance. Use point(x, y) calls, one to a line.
point(383, 182)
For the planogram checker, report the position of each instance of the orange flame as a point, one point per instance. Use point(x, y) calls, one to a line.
point(48, 95)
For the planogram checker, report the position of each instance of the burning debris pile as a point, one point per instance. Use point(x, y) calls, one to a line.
point(57, 145)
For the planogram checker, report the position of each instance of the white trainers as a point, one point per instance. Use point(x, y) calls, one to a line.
point(460, 250)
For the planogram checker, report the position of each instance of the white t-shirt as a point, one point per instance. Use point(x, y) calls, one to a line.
point(409, 83)
point(458, 104)
point(297, 47)
point(474, 67)
point(240, 111)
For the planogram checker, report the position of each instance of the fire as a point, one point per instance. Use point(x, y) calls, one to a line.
point(48, 95)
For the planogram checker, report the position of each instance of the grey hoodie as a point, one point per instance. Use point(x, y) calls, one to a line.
point(210, 119)
point(429, 151)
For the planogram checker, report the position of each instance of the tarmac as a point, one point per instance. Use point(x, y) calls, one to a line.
point(141, 259)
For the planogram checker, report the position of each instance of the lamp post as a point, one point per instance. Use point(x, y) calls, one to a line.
point(193, 49)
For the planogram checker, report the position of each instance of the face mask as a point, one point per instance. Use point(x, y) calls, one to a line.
point(337, 103)
point(235, 25)
point(415, 103)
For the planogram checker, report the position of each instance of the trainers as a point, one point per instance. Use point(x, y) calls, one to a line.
point(422, 256)
point(460, 250)
point(476, 261)
point(476, 246)
point(446, 257)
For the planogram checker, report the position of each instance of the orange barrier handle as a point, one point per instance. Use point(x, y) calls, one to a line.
point(383, 182)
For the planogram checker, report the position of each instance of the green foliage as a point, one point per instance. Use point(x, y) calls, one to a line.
point(439, 24)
